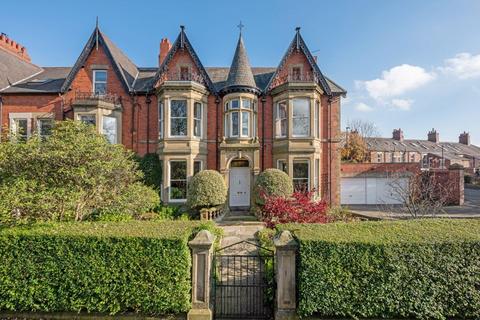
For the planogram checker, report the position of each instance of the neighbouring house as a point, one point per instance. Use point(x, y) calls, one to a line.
point(238, 120)
point(430, 153)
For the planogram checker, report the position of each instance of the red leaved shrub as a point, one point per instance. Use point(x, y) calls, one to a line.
point(299, 208)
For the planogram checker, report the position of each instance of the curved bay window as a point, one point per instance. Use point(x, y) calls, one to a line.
point(239, 118)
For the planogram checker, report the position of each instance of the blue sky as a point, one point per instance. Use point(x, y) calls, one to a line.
point(408, 64)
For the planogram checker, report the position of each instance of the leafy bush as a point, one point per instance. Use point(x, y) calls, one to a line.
point(422, 269)
point(272, 182)
point(340, 213)
point(73, 174)
point(206, 189)
point(299, 208)
point(109, 267)
point(151, 167)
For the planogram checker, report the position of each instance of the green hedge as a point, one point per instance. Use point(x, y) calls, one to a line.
point(419, 269)
point(112, 267)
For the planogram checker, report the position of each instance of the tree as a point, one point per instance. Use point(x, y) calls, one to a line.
point(365, 128)
point(74, 174)
point(422, 194)
point(354, 148)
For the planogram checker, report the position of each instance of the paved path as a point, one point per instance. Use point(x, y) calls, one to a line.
point(470, 210)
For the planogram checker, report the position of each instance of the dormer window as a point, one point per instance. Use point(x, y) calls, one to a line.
point(238, 118)
point(296, 73)
point(100, 82)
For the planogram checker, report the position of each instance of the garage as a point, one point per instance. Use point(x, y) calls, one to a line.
point(369, 190)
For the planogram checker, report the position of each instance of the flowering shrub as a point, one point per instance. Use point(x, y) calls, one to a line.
point(300, 208)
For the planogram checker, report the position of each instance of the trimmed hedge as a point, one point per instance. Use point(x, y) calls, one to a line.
point(112, 267)
point(418, 269)
point(206, 189)
point(272, 182)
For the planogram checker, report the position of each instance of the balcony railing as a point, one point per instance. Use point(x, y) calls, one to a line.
point(297, 77)
point(185, 76)
point(94, 96)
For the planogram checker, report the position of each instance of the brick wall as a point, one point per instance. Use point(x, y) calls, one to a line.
point(355, 169)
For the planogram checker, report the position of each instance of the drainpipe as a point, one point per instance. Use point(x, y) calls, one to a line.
point(1, 116)
point(217, 138)
point(148, 101)
point(330, 149)
point(263, 131)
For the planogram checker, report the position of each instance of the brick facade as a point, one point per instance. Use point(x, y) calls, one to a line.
point(137, 110)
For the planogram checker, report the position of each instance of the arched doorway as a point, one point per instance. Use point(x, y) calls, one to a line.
point(239, 183)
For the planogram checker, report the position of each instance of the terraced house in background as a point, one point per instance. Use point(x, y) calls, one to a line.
point(238, 120)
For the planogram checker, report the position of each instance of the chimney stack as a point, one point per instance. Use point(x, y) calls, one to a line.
point(14, 48)
point(464, 138)
point(165, 47)
point(433, 136)
point(397, 134)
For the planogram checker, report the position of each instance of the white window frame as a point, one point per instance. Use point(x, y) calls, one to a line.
point(279, 167)
point(79, 117)
point(13, 125)
point(201, 166)
point(116, 128)
point(95, 81)
point(307, 161)
point(170, 180)
point(200, 120)
point(160, 119)
point(171, 118)
point(39, 126)
point(308, 117)
point(316, 171)
point(228, 119)
point(316, 118)
point(278, 120)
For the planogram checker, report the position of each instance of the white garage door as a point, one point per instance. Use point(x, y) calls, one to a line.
point(369, 191)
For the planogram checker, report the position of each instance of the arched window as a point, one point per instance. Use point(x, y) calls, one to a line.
point(239, 117)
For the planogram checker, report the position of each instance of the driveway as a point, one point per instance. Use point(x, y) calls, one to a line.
point(470, 209)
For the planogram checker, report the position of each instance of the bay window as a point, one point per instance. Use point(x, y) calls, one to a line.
point(178, 180)
point(197, 119)
point(109, 128)
point(197, 166)
point(282, 165)
point(281, 119)
point(178, 118)
point(301, 117)
point(89, 119)
point(99, 82)
point(316, 120)
point(238, 118)
point(301, 175)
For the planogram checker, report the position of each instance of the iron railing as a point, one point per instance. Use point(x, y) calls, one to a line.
point(95, 96)
point(184, 76)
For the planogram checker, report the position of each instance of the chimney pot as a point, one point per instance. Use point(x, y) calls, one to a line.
point(433, 136)
point(464, 138)
point(397, 134)
point(165, 47)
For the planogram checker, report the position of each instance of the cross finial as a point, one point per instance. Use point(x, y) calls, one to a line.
point(240, 26)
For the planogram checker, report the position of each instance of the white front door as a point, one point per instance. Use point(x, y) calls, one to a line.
point(240, 187)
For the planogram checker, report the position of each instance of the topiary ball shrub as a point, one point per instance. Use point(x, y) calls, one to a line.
point(206, 189)
point(272, 182)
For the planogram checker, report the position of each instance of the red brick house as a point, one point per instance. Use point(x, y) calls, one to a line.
point(238, 120)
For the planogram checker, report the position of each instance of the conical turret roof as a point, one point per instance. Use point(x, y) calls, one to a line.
point(240, 75)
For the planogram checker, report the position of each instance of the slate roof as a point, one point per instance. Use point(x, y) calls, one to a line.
point(13, 69)
point(50, 80)
point(240, 74)
point(29, 78)
point(452, 149)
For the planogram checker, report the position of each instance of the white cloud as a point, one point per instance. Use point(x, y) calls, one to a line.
point(402, 104)
point(362, 107)
point(463, 65)
point(397, 81)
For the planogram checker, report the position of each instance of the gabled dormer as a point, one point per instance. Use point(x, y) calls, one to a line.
point(181, 66)
point(298, 66)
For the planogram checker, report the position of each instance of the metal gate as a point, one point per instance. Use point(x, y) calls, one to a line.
point(244, 282)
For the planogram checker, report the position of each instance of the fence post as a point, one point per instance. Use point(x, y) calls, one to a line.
point(201, 247)
point(285, 253)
